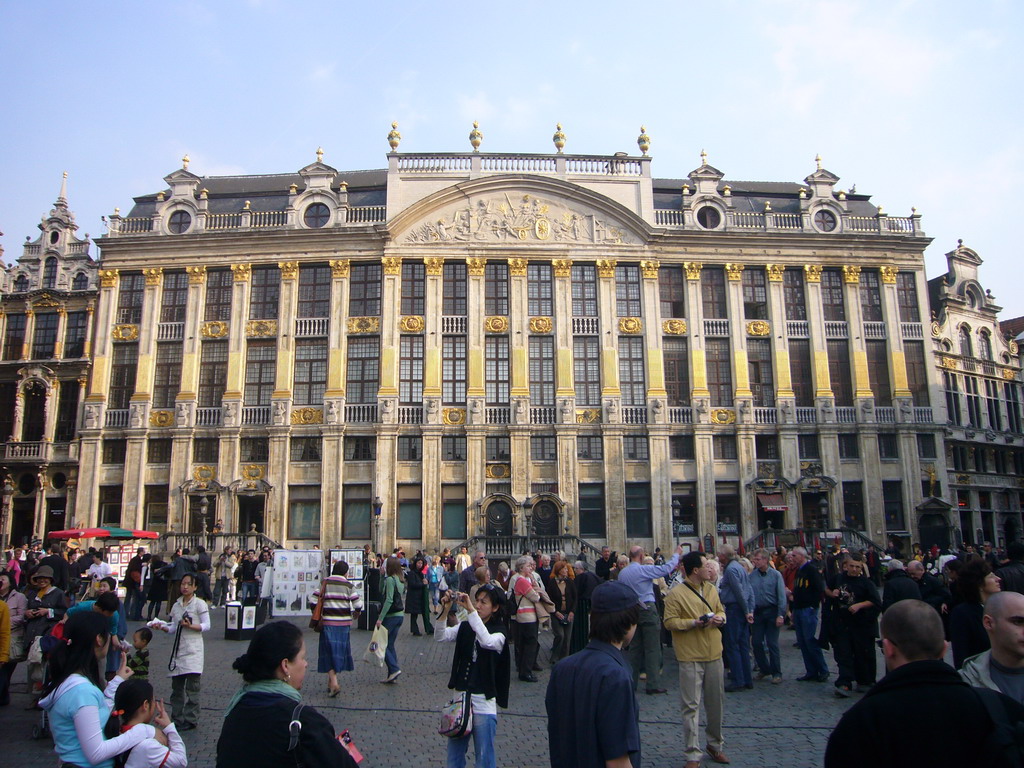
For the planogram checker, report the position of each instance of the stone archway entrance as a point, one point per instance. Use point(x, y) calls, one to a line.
point(499, 519)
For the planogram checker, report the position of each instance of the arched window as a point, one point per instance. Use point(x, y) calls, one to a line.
point(984, 345)
point(81, 282)
point(50, 272)
point(966, 349)
point(21, 283)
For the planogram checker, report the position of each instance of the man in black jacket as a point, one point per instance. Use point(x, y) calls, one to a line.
point(899, 585)
point(890, 721)
point(933, 591)
point(855, 626)
point(1012, 574)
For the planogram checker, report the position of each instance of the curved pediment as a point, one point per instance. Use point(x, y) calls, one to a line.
point(508, 210)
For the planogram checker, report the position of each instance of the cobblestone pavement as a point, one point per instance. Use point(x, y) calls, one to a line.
point(394, 725)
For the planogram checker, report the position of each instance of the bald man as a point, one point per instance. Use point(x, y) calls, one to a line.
point(1002, 667)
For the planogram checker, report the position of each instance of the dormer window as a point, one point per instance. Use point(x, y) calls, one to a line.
point(54, 237)
point(825, 220)
point(179, 222)
point(316, 216)
point(709, 217)
point(80, 282)
point(985, 345)
point(50, 272)
point(21, 284)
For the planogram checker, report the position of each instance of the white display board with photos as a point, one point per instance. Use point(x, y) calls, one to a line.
point(297, 574)
point(354, 558)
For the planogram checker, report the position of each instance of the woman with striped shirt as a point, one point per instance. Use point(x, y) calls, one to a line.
point(342, 603)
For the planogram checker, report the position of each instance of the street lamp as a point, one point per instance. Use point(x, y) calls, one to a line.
point(5, 511)
point(378, 504)
point(823, 510)
point(527, 516)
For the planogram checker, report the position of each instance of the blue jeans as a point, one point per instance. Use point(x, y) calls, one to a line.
point(392, 624)
point(737, 645)
point(766, 637)
point(484, 729)
point(805, 621)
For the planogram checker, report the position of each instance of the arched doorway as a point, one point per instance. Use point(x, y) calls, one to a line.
point(498, 519)
point(545, 518)
point(934, 530)
point(33, 424)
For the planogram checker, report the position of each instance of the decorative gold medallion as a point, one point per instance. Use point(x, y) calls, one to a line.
point(125, 332)
point(630, 325)
point(496, 324)
point(540, 325)
point(204, 475)
point(453, 417)
point(758, 328)
point(542, 229)
point(254, 471)
point(261, 328)
point(588, 415)
point(498, 471)
point(937, 331)
point(948, 363)
point(1013, 347)
point(214, 329)
point(412, 324)
point(1009, 374)
point(723, 416)
point(307, 416)
point(674, 327)
point(364, 325)
point(161, 418)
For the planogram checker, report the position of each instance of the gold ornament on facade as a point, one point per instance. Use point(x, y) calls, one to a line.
point(813, 273)
point(643, 140)
point(434, 266)
point(125, 332)
point(851, 273)
point(888, 274)
point(588, 416)
point(161, 419)
point(674, 327)
point(214, 329)
point(340, 268)
point(630, 325)
point(453, 417)
point(498, 471)
point(562, 267)
point(289, 269)
point(559, 138)
point(392, 265)
point(394, 137)
point(204, 475)
point(517, 267)
point(734, 271)
point(153, 275)
point(723, 416)
point(475, 137)
point(606, 267)
point(1013, 347)
point(254, 471)
point(108, 278)
point(936, 329)
point(307, 416)
point(259, 328)
point(412, 324)
point(364, 325)
point(758, 328)
point(775, 272)
point(496, 324)
point(476, 266)
point(196, 274)
point(540, 325)
point(242, 272)
point(650, 269)
point(692, 269)
point(1009, 374)
point(948, 362)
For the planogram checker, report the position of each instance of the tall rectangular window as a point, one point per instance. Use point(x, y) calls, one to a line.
point(213, 373)
point(719, 368)
point(539, 290)
point(67, 411)
point(800, 372)
point(906, 297)
point(44, 340)
point(917, 372)
point(849, 446)
point(156, 497)
point(410, 370)
point(586, 361)
point(635, 448)
point(260, 372)
point(677, 370)
point(762, 378)
point(314, 291)
point(219, 285)
point(592, 518)
point(129, 297)
point(712, 293)
point(853, 504)
point(167, 375)
point(496, 370)
point(995, 411)
point(839, 375)
point(878, 373)
point(304, 512)
point(766, 447)
point(14, 337)
point(265, 294)
point(627, 291)
point(110, 504)
point(794, 295)
point(453, 511)
point(453, 298)
point(410, 512)
point(543, 448)
point(364, 290)
point(205, 450)
point(892, 505)
point(497, 448)
point(638, 510)
point(589, 448)
point(832, 303)
point(496, 289)
point(870, 297)
point(123, 367)
point(1012, 406)
point(74, 335)
point(542, 370)
point(808, 447)
point(631, 371)
point(453, 370)
point(973, 401)
point(888, 446)
point(672, 291)
point(755, 294)
point(952, 386)
point(8, 395)
point(362, 374)
point(724, 447)
point(174, 297)
point(414, 288)
point(682, 448)
point(310, 371)
point(584, 290)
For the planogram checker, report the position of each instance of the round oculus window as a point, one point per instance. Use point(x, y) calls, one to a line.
point(59, 480)
point(825, 220)
point(179, 222)
point(316, 216)
point(709, 217)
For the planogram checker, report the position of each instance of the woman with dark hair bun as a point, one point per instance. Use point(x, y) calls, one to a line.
point(974, 583)
point(257, 722)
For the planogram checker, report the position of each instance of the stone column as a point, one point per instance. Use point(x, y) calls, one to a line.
point(391, 296)
point(611, 394)
point(30, 331)
point(235, 385)
point(62, 329)
point(185, 402)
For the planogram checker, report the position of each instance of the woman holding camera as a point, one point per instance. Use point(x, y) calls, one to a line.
point(190, 617)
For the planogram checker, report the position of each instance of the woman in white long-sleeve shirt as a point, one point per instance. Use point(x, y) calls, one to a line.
point(480, 666)
point(135, 706)
point(77, 703)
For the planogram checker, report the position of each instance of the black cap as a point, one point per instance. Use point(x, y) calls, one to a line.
point(613, 596)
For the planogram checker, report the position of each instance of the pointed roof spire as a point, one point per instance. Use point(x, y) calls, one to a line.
point(63, 196)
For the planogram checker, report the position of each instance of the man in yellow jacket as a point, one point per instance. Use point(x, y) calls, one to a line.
point(695, 614)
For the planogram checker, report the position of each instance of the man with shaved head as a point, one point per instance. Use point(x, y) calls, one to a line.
point(1002, 667)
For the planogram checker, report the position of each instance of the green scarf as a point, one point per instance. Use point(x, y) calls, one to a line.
point(279, 687)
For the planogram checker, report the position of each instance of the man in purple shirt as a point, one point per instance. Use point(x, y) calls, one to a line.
point(645, 648)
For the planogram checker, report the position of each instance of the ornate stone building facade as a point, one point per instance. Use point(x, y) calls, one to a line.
point(476, 344)
point(47, 298)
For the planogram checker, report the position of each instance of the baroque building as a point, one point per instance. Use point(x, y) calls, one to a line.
point(47, 298)
point(490, 344)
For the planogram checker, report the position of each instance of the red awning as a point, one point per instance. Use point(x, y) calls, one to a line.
point(772, 502)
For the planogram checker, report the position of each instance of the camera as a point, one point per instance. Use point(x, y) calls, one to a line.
point(706, 618)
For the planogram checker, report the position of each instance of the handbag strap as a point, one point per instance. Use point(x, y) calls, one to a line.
point(294, 731)
point(698, 594)
point(173, 663)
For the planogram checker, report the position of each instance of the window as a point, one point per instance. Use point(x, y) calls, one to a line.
point(878, 373)
point(44, 341)
point(584, 290)
point(305, 448)
point(179, 222)
point(454, 289)
point(917, 372)
point(314, 291)
point(964, 337)
point(496, 289)
point(74, 335)
point(832, 303)
point(497, 448)
point(260, 372)
point(677, 371)
point(167, 374)
point(304, 512)
point(627, 291)
point(591, 500)
point(672, 291)
point(766, 447)
point(809, 447)
point(158, 450)
point(839, 375)
point(254, 449)
point(952, 387)
point(995, 411)
point(539, 290)
point(205, 450)
point(124, 365)
point(410, 512)
point(156, 497)
point(973, 401)
point(14, 338)
point(681, 448)
point(892, 504)
point(634, 448)
point(114, 451)
point(755, 294)
point(363, 369)
point(586, 353)
point(219, 285)
point(356, 512)
point(80, 282)
point(265, 293)
point(110, 505)
point(129, 298)
point(1013, 418)
point(719, 370)
point(310, 372)
point(631, 371)
point(174, 297)
point(793, 294)
point(961, 458)
point(410, 448)
point(542, 371)
point(727, 507)
point(316, 216)
point(67, 411)
point(926, 447)
point(453, 511)
point(360, 448)
point(496, 370)
point(543, 448)
point(414, 288)
point(709, 217)
point(870, 297)
point(50, 272)
point(589, 448)
point(638, 509)
point(8, 395)
point(21, 284)
point(825, 220)
point(364, 290)
point(853, 505)
point(984, 345)
point(849, 446)
point(453, 370)
point(410, 370)
point(724, 447)
point(888, 446)
point(759, 365)
point(453, 447)
point(712, 293)
point(213, 373)
point(906, 297)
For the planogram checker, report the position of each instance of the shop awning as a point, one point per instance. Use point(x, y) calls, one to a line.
point(772, 502)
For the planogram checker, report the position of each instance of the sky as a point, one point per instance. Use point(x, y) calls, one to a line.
point(911, 101)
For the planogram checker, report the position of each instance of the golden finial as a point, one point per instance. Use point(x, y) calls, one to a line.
point(475, 137)
point(319, 154)
point(293, 188)
point(643, 140)
point(184, 162)
point(394, 136)
point(803, 193)
point(246, 206)
point(913, 210)
point(817, 161)
point(881, 211)
point(767, 206)
point(703, 157)
point(727, 191)
point(559, 138)
point(343, 186)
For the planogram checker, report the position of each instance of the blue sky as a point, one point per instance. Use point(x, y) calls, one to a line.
point(917, 103)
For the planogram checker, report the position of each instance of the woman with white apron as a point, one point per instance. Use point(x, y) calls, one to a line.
point(190, 617)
